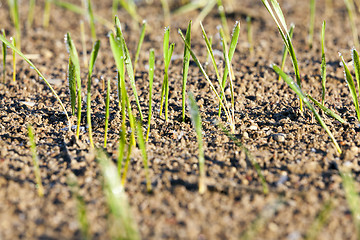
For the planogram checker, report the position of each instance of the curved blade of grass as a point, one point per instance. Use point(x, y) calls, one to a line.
point(302, 96)
point(196, 121)
point(285, 51)
point(93, 57)
point(124, 224)
point(107, 104)
point(320, 221)
point(186, 63)
point(312, 23)
point(3, 39)
point(151, 79)
point(352, 198)
point(323, 63)
point(90, 14)
point(249, 156)
point(141, 40)
point(35, 158)
point(4, 50)
point(326, 110)
point(229, 118)
point(141, 142)
point(75, 61)
point(351, 85)
point(356, 61)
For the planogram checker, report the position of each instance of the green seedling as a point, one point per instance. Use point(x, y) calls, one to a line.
point(279, 19)
point(35, 158)
point(4, 50)
point(186, 63)
point(91, 17)
point(151, 79)
point(350, 81)
point(141, 40)
point(312, 23)
point(93, 57)
point(83, 42)
point(196, 121)
point(74, 80)
point(320, 221)
point(141, 142)
point(13, 41)
point(46, 18)
point(166, 10)
point(107, 104)
point(3, 39)
point(285, 51)
point(222, 14)
point(323, 63)
point(250, 34)
point(30, 18)
point(352, 17)
point(249, 157)
point(303, 97)
point(168, 51)
point(79, 10)
point(197, 62)
point(124, 226)
point(352, 198)
point(14, 12)
point(80, 207)
point(326, 110)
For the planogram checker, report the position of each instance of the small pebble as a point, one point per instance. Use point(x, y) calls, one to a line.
point(280, 137)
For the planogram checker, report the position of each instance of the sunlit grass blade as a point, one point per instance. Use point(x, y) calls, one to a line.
point(320, 221)
point(80, 207)
point(222, 14)
point(323, 63)
point(3, 39)
point(151, 79)
point(124, 226)
point(107, 104)
point(186, 63)
point(352, 17)
point(326, 110)
point(91, 17)
point(13, 41)
point(141, 40)
point(35, 159)
point(356, 61)
point(352, 198)
point(46, 17)
point(302, 96)
point(4, 52)
point(14, 13)
point(196, 121)
point(30, 18)
point(351, 84)
point(72, 85)
point(285, 51)
point(249, 34)
point(249, 157)
point(312, 23)
point(93, 57)
point(142, 145)
point(227, 113)
point(74, 58)
point(282, 27)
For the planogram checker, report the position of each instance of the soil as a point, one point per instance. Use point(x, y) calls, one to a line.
point(296, 156)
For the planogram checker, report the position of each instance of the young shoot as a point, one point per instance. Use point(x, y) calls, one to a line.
point(35, 158)
point(312, 23)
point(196, 121)
point(74, 80)
point(142, 145)
point(168, 51)
point(30, 18)
point(141, 40)
point(186, 63)
point(46, 17)
point(91, 17)
point(107, 104)
point(326, 110)
point(93, 57)
point(151, 79)
point(14, 13)
point(224, 24)
point(285, 51)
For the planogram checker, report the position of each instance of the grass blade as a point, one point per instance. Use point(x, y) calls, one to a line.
point(165, 55)
point(91, 17)
point(326, 110)
point(35, 158)
point(312, 23)
point(141, 142)
point(196, 121)
point(107, 104)
point(72, 85)
point(13, 41)
point(323, 63)
point(141, 40)
point(74, 58)
point(186, 63)
point(14, 13)
point(285, 51)
point(46, 17)
point(356, 61)
point(302, 96)
point(83, 42)
point(93, 57)
point(222, 14)
point(250, 35)
point(30, 18)
point(3, 39)
point(351, 83)
point(352, 17)
point(124, 226)
point(151, 79)
point(130, 7)
point(166, 10)
point(4, 50)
